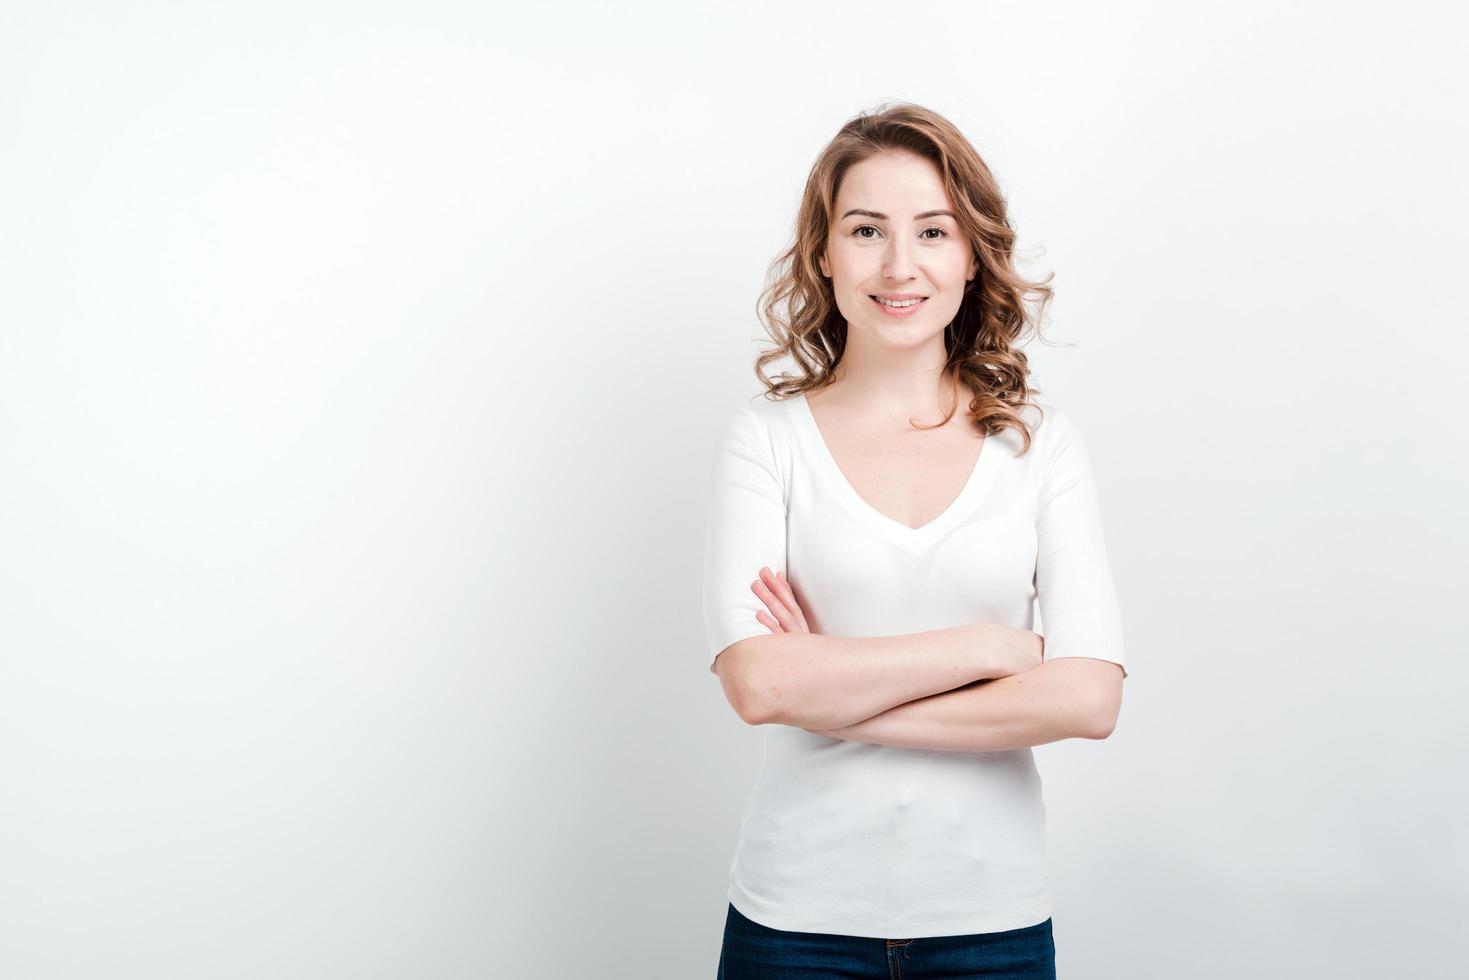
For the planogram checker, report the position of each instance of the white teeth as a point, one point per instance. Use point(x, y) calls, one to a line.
point(898, 303)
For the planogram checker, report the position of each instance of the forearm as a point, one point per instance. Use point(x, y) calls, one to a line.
point(810, 680)
point(1045, 704)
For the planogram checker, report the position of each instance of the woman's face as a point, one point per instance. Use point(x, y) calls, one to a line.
point(894, 235)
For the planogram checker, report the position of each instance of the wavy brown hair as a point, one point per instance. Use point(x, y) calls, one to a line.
point(798, 308)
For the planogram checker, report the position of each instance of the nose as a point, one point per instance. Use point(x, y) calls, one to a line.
point(897, 259)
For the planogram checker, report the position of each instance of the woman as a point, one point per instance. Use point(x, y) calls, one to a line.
point(897, 825)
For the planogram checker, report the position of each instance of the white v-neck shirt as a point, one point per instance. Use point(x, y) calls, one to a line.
point(876, 840)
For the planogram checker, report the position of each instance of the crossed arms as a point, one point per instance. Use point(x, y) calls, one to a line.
point(978, 687)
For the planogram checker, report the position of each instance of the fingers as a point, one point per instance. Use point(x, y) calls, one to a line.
point(788, 597)
point(775, 591)
point(774, 603)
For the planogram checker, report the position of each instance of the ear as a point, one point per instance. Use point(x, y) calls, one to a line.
point(825, 269)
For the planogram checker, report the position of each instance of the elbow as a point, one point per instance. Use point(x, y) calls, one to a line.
point(753, 689)
point(1101, 727)
point(748, 706)
point(755, 704)
point(1093, 697)
point(738, 673)
point(1102, 719)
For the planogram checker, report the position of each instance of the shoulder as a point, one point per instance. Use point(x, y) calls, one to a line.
point(760, 429)
point(1042, 419)
point(1057, 452)
point(771, 413)
point(1051, 426)
point(761, 417)
point(1041, 414)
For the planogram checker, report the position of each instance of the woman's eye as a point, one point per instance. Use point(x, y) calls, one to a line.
point(858, 231)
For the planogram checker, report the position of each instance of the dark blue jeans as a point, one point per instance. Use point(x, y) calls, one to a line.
point(753, 951)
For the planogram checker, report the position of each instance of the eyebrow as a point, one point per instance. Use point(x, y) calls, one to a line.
point(882, 217)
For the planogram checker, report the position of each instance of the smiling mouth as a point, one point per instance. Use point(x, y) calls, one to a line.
point(899, 305)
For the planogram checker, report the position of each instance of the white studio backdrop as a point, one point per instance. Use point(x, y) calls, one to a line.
point(360, 366)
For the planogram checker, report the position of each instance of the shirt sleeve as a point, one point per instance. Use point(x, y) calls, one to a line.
point(746, 530)
point(1080, 615)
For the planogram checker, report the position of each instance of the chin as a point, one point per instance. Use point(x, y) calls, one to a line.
point(903, 336)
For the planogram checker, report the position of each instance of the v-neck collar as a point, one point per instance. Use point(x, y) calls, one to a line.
point(910, 537)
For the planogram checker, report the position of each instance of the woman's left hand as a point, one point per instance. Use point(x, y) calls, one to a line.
point(783, 615)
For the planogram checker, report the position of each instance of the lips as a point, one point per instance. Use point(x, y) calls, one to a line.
point(898, 310)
